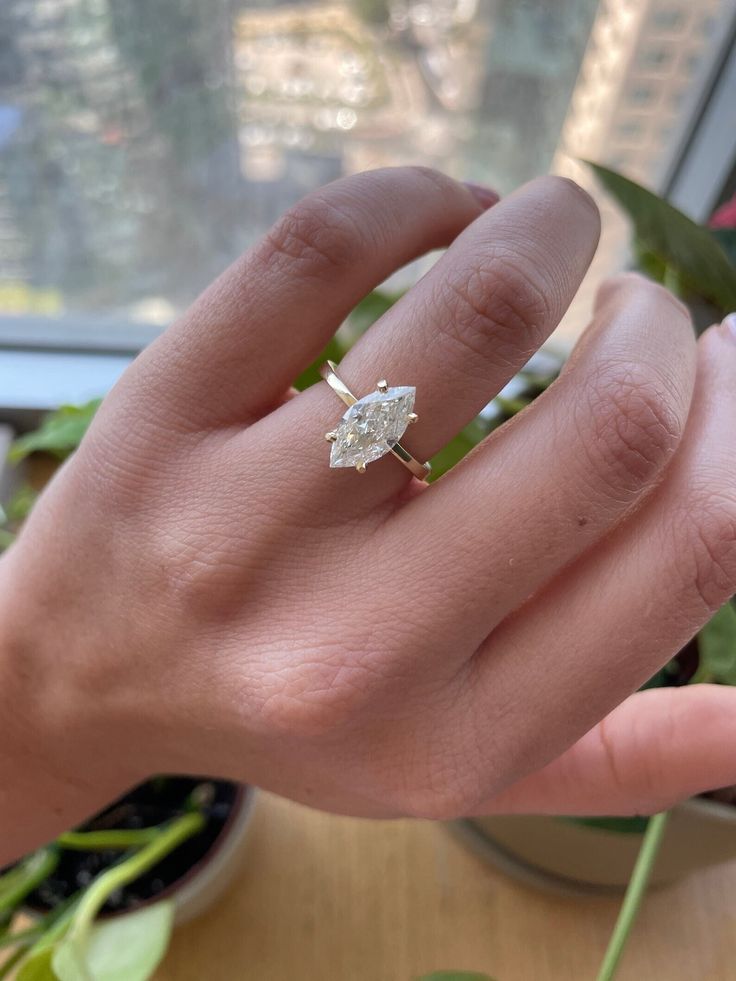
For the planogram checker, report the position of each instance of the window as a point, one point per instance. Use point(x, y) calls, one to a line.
point(144, 145)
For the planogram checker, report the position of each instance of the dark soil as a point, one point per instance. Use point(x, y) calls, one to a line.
point(154, 802)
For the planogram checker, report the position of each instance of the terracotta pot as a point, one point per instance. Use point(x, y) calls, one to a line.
point(560, 855)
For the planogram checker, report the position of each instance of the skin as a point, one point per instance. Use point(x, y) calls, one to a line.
point(196, 590)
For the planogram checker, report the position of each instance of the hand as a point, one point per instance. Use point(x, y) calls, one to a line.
point(197, 590)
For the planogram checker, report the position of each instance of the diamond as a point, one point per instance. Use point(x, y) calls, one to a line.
point(372, 426)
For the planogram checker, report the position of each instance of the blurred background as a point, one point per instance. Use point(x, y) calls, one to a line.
point(144, 145)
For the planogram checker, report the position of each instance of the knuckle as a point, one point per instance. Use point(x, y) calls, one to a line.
point(316, 237)
point(456, 799)
point(316, 697)
point(498, 314)
point(453, 782)
point(636, 285)
point(632, 427)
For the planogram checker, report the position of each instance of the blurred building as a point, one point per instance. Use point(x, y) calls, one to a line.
point(143, 145)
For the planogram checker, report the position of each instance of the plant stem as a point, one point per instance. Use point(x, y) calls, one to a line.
point(55, 924)
point(23, 878)
point(114, 839)
point(166, 841)
point(634, 894)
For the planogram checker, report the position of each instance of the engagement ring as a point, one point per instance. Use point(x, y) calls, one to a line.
point(372, 426)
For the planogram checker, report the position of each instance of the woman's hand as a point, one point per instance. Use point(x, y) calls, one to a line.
point(198, 591)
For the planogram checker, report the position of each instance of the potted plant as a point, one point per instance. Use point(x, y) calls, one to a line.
point(100, 901)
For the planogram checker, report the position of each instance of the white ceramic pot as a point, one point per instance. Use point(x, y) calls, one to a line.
point(204, 883)
point(565, 857)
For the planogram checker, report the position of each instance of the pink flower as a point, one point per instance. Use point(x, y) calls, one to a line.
point(725, 217)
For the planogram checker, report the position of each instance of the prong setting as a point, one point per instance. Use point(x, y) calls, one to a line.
point(412, 418)
point(373, 425)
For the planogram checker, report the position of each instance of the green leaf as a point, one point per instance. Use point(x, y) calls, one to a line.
point(370, 308)
point(647, 262)
point(618, 825)
point(455, 976)
point(726, 238)
point(38, 967)
point(457, 448)
point(21, 503)
point(691, 251)
point(60, 433)
point(717, 648)
point(21, 879)
point(333, 352)
point(124, 948)
point(69, 961)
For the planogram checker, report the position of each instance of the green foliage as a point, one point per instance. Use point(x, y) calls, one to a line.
point(619, 825)
point(365, 314)
point(717, 647)
point(726, 238)
point(453, 452)
point(68, 945)
point(124, 948)
point(19, 881)
point(671, 248)
point(37, 967)
point(20, 504)
point(60, 433)
point(333, 352)
point(370, 308)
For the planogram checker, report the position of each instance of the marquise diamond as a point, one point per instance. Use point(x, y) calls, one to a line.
point(372, 426)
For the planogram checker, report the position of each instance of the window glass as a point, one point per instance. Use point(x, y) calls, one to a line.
point(145, 144)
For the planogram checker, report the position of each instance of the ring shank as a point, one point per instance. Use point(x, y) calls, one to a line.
point(338, 386)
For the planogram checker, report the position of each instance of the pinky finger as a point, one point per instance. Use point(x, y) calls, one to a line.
point(658, 747)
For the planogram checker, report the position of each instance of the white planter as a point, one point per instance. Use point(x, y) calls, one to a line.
point(206, 882)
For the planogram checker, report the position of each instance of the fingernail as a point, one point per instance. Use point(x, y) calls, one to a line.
point(483, 194)
point(729, 325)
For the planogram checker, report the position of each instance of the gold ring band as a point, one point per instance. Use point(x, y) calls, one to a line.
point(372, 426)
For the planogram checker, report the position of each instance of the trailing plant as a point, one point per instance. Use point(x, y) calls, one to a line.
point(69, 942)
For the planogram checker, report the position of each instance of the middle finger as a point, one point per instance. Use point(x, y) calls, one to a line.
point(458, 336)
